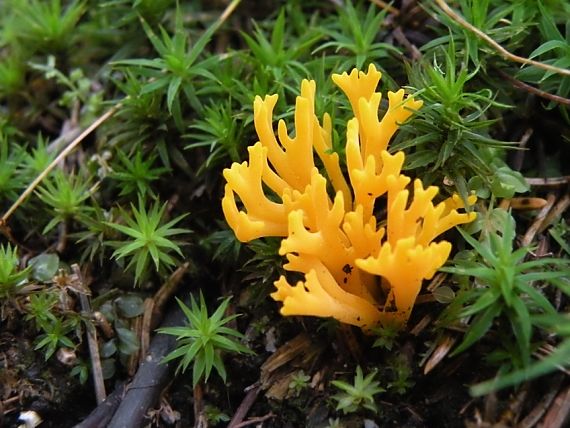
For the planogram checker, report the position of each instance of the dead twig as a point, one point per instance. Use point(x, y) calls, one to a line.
point(199, 420)
point(151, 377)
point(549, 182)
point(255, 420)
point(245, 405)
point(501, 50)
point(535, 91)
point(403, 40)
point(96, 368)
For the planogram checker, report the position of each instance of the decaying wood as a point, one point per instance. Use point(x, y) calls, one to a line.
point(100, 417)
point(144, 391)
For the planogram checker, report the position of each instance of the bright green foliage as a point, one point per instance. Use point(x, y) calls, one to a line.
point(66, 195)
point(55, 335)
point(358, 395)
point(81, 370)
point(220, 131)
point(554, 51)
point(355, 31)
point(449, 136)
point(40, 308)
point(46, 25)
point(559, 357)
point(10, 160)
point(93, 234)
point(143, 118)
point(37, 159)
point(150, 240)
point(10, 275)
point(203, 340)
point(387, 336)
point(134, 175)
point(214, 415)
point(12, 76)
point(506, 292)
point(177, 67)
point(530, 28)
point(275, 59)
point(561, 234)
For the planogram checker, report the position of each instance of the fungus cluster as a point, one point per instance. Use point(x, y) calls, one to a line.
point(358, 269)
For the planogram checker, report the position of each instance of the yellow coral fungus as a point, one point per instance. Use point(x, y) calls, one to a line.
point(355, 270)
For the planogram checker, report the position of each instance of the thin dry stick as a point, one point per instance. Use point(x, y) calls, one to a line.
point(538, 92)
point(505, 53)
point(548, 182)
point(96, 368)
point(61, 156)
point(226, 13)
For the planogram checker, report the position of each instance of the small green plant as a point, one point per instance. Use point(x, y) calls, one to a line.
point(202, 341)
point(45, 25)
point(274, 57)
point(78, 87)
point(37, 159)
point(358, 395)
point(39, 309)
point(150, 240)
point(177, 68)
point(10, 276)
point(10, 160)
point(554, 51)
point(387, 336)
point(214, 415)
point(449, 139)
point(220, 131)
point(55, 334)
point(66, 195)
point(81, 371)
point(299, 381)
point(506, 293)
point(135, 175)
point(355, 31)
point(12, 76)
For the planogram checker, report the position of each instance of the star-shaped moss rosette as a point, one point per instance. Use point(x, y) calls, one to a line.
point(355, 270)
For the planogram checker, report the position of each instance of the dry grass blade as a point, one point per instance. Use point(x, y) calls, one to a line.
point(441, 350)
point(538, 221)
